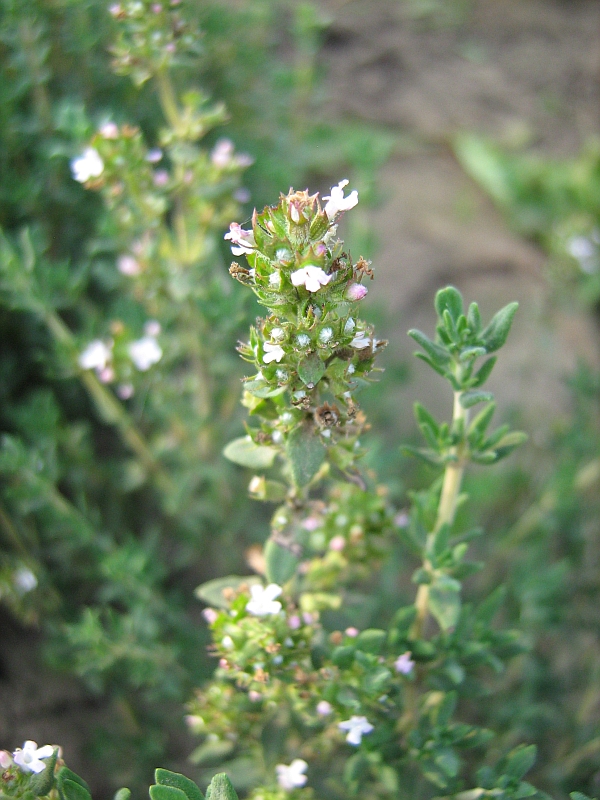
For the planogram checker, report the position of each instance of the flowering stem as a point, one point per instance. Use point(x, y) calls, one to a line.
point(110, 408)
point(446, 510)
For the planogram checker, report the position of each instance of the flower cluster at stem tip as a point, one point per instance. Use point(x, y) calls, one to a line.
point(312, 340)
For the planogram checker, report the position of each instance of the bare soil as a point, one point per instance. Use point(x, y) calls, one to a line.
point(514, 70)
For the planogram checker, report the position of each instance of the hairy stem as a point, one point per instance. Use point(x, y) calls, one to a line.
point(446, 510)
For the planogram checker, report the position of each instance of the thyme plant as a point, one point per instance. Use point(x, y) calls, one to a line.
point(295, 704)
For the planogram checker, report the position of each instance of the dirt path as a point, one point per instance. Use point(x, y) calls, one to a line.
point(516, 70)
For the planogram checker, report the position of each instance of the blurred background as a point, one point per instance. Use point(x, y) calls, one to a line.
point(471, 130)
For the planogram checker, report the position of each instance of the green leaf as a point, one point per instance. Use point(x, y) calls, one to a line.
point(281, 563)
point(311, 369)
point(306, 453)
point(343, 656)
point(495, 335)
point(167, 778)
point(471, 398)
point(221, 788)
point(211, 592)
point(449, 299)
point(404, 618)
point(444, 601)
point(580, 796)
point(122, 794)
point(371, 640)
point(438, 355)
point(520, 760)
point(212, 751)
point(479, 424)
point(246, 453)
point(72, 790)
point(67, 775)
point(268, 491)
point(483, 373)
point(447, 760)
point(319, 226)
point(42, 783)
point(474, 318)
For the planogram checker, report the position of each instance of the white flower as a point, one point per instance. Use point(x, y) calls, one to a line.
point(25, 580)
point(336, 202)
point(357, 727)
point(326, 335)
point(311, 277)
point(86, 166)
point(243, 239)
point(404, 663)
point(583, 250)
point(95, 356)
point(361, 340)
point(227, 643)
point(292, 777)
point(273, 352)
point(277, 334)
point(263, 602)
point(303, 340)
point(145, 352)
point(30, 757)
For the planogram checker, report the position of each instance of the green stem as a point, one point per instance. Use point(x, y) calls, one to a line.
point(446, 510)
point(168, 101)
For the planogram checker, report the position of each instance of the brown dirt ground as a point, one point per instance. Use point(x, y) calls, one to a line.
point(509, 69)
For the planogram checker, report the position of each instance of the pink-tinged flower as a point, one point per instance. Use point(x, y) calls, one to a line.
point(294, 622)
point(125, 391)
point(308, 618)
point(222, 153)
point(128, 265)
point(145, 352)
point(355, 292)
point(210, 615)
point(401, 519)
point(254, 696)
point(88, 165)
point(160, 178)
point(311, 277)
point(152, 327)
point(243, 240)
point(337, 543)
point(352, 632)
point(109, 130)
point(404, 663)
point(292, 776)
point(337, 203)
point(106, 375)
point(262, 602)
point(5, 759)
point(356, 728)
point(311, 523)
point(96, 355)
point(324, 708)
point(272, 352)
point(30, 757)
